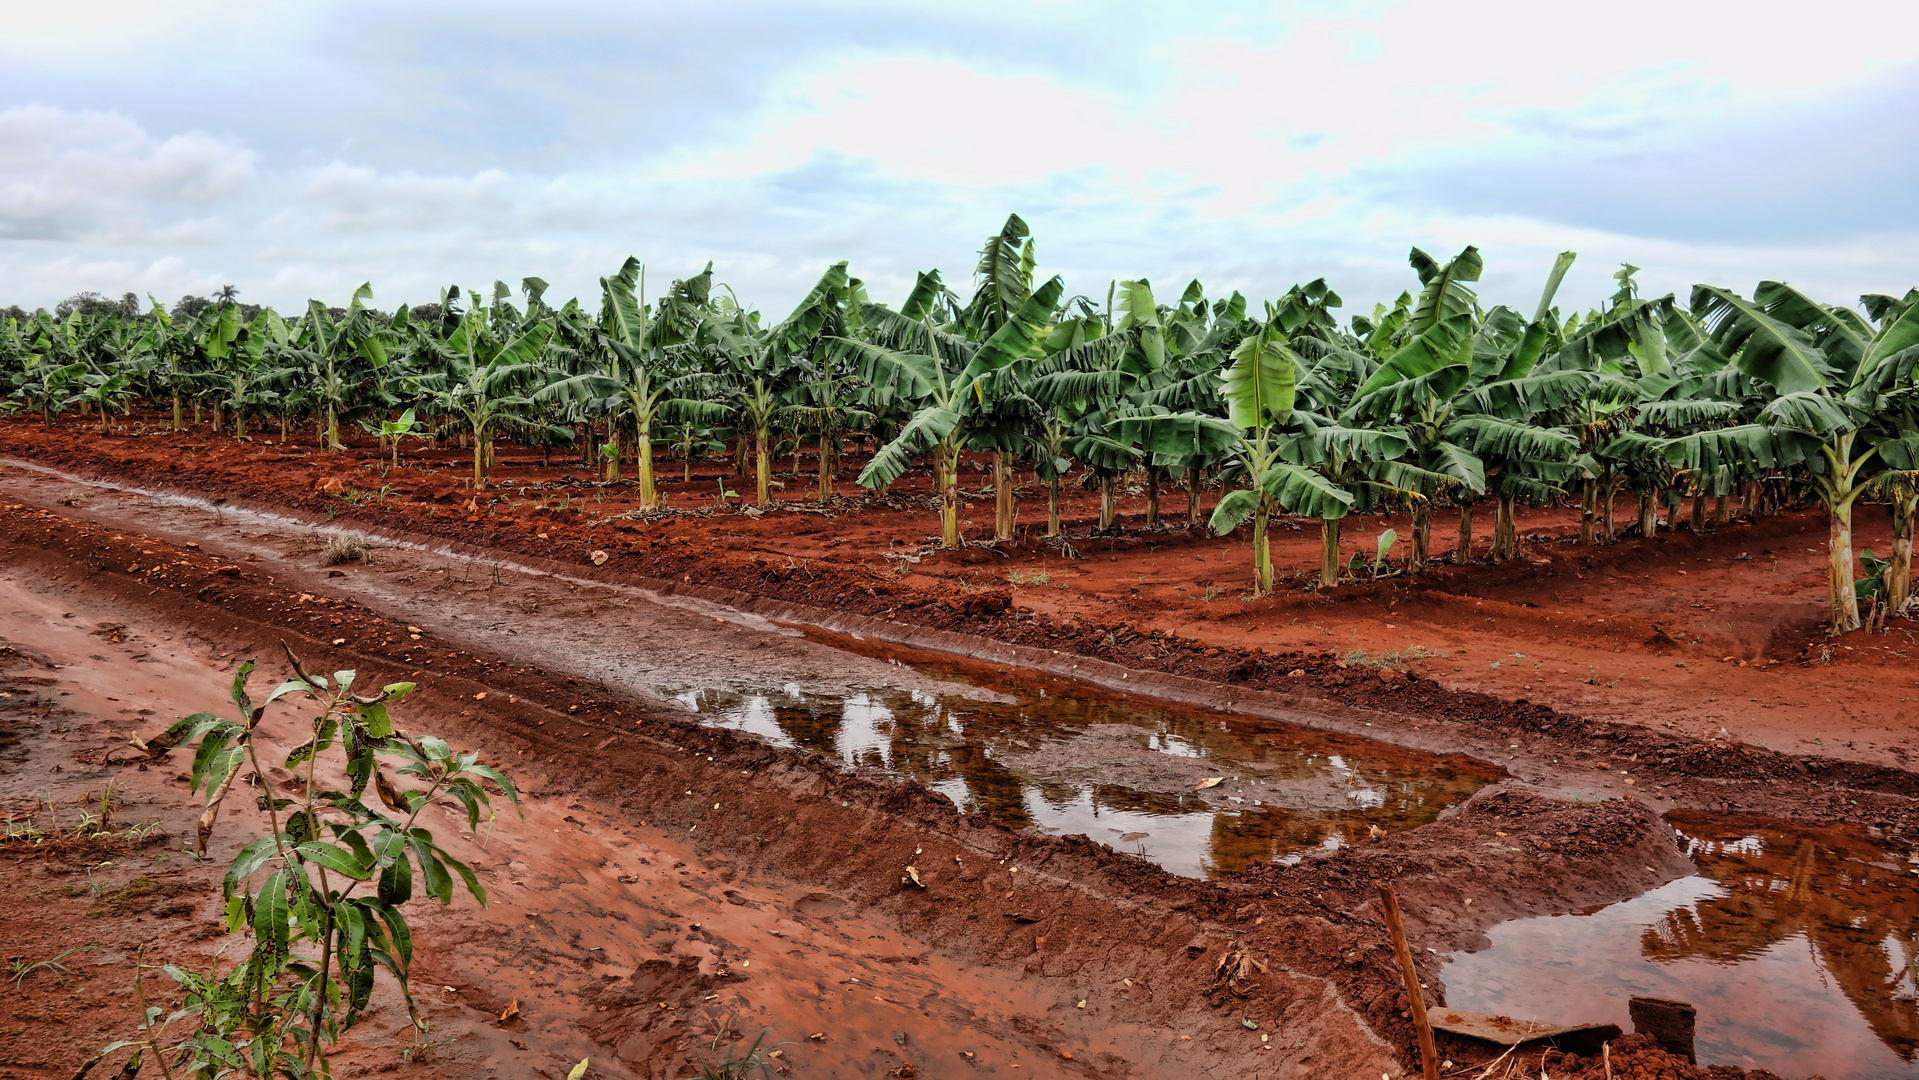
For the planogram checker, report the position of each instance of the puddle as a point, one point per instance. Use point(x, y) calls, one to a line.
point(1062, 758)
point(1796, 945)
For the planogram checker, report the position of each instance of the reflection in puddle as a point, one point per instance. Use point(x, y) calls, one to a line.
point(1059, 757)
point(1795, 944)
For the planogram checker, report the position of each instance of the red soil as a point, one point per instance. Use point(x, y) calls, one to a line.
point(1699, 659)
point(783, 905)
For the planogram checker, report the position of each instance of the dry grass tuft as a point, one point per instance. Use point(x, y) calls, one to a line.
point(343, 547)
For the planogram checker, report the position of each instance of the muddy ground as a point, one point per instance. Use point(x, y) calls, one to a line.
point(799, 869)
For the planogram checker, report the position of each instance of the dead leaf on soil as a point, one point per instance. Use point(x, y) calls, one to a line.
point(1210, 781)
point(599, 558)
point(510, 1011)
point(914, 874)
point(1233, 969)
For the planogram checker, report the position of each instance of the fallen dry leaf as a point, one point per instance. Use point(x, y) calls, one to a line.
point(599, 558)
point(1210, 781)
point(510, 1011)
point(913, 872)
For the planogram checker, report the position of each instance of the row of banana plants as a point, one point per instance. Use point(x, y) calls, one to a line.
point(1432, 399)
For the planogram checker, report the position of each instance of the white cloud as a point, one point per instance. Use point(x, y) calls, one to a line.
point(1265, 144)
point(68, 175)
point(357, 197)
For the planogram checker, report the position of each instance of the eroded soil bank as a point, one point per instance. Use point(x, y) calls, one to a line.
point(643, 823)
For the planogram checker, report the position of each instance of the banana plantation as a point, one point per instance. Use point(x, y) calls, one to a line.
point(1237, 410)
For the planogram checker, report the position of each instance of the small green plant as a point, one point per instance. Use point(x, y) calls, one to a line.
point(321, 893)
point(390, 432)
point(1016, 577)
point(731, 1067)
point(1386, 541)
point(1211, 594)
point(19, 968)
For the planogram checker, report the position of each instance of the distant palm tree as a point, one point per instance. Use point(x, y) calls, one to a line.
point(226, 294)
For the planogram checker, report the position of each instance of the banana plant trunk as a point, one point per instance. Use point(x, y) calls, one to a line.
point(1899, 572)
point(1589, 512)
point(1505, 531)
point(619, 451)
point(1107, 509)
point(643, 450)
point(1052, 507)
point(239, 424)
point(1328, 552)
point(946, 472)
point(1262, 549)
point(829, 460)
point(1649, 513)
point(762, 465)
point(1722, 510)
point(479, 463)
point(1003, 510)
point(1152, 497)
point(176, 410)
point(1463, 551)
point(1845, 602)
point(1609, 529)
point(1192, 498)
point(103, 419)
point(1699, 513)
point(1422, 537)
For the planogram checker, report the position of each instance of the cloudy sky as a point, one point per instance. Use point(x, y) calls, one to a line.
point(295, 150)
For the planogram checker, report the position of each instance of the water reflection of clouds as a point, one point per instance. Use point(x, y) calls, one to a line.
point(1796, 946)
point(1298, 794)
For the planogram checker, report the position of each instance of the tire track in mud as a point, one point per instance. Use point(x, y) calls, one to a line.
point(1578, 757)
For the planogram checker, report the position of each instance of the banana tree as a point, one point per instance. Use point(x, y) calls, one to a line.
point(1820, 360)
point(483, 379)
point(636, 382)
point(1260, 388)
point(104, 390)
point(334, 355)
point(939, 427)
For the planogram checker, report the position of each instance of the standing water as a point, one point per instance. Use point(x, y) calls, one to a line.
point(1796, 945)
point(1064, 758)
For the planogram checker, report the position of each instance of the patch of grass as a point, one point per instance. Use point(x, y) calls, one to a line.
point(1394, 659)
point(20, 968)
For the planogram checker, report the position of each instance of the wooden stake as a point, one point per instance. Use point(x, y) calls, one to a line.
point(1605, 1056)
point(1428, 1055)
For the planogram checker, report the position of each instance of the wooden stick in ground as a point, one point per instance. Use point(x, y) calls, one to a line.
point(1428, 1056)
point(1605, 1056)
